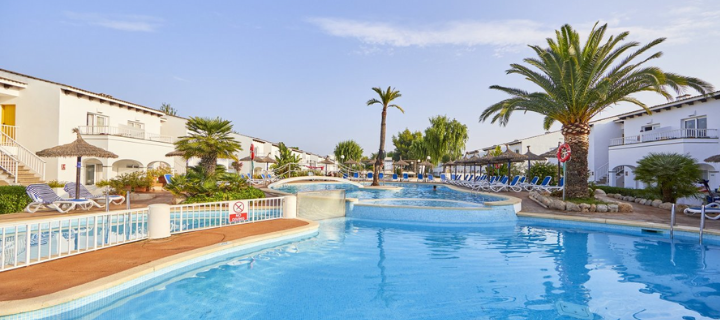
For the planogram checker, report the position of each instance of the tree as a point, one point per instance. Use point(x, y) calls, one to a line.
point(672, 175)
point(445, 136)
point(209, 140)
point(578, 81)
point(418, 150)
point(350, 149)
point(287, 162)
point(386, 97)
point(167, 109)
point(403, 141)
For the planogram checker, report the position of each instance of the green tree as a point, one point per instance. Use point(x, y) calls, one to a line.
point(287, 162)
point(403, 141)
point(671, 175)
point(578, 81)
point(418, 150)
point(209, 140)
point(445, 136)
point(350, 149)
point(167, 109)
point(386, 97)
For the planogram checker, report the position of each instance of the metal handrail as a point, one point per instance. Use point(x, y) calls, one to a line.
point(665, 135)
point(9, 164)
point(25, 156)
point(129, 132)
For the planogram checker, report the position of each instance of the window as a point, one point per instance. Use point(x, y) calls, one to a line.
point(97, 124)
point(136, 125)
point(649, 127)
point(694, 127)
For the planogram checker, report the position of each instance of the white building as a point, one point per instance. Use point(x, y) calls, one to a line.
point(38, 114)
point(686, 126)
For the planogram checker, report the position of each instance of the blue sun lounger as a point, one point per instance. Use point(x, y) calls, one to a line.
point(405, 177)
point(712, 208)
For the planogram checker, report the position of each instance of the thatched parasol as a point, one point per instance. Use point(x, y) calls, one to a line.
point(550, 154)
point(532, 157)
point(426, 164)
point(326, 162)
point(267, 160)
point(510, 156)
point(715, 158)
point(175, 153)
point(78, 148)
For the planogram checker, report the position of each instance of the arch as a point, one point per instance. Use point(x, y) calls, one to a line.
point(123, 166)
point(158, 164)
point(313, 178)
point(92, 171)
point(623, 176)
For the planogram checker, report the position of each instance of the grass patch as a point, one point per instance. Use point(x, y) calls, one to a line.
point(587, 200)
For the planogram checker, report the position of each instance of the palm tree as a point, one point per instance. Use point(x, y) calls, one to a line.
point(578, 82)
point(386, 97)
point(209, 140)
point(671, 175)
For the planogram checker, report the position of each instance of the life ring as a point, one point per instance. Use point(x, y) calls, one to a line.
point(563, 153)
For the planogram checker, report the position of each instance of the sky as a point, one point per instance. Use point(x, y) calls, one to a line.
point(301, 72)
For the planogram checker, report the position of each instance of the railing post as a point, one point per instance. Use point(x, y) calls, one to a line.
point(702, 222)
point(672, 221)
point(290, 207)
point(127, 199)
point(158, 221)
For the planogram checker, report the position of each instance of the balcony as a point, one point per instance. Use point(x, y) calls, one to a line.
point(666, 135)
point(124, 131)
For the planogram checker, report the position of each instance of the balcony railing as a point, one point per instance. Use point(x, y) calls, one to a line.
point(666, 135)
point(124, 132)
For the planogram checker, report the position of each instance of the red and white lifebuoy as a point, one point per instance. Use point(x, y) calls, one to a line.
point(563, 153)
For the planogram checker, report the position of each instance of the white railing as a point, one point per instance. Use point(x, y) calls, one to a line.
point(24, 156)
point(9, 164)
point(601, 172)
point(10, 131)
point(124, 131)
point(666, 135)
point(32, 242)
point(27, 243)
point(199, 216)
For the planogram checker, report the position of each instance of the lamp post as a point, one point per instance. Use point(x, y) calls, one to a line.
point(342, 160)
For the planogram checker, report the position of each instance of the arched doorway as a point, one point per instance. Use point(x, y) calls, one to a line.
point(623, 176)
point(157, 165)
point(92, 171)
point(124, 166)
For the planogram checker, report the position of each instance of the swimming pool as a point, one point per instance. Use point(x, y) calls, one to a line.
point(359, 269)
point(407, 190)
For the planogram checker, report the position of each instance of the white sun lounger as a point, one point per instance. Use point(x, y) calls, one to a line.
point(44, 197)
point(712, 208)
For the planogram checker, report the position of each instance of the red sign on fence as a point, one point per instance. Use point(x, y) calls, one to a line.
point(238, 211)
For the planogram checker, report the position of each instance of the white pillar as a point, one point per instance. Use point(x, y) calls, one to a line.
point(290, 207)
point(158, 221)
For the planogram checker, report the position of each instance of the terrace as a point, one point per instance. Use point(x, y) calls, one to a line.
point(672, 134)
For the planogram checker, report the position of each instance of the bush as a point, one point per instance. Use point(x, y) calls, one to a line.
point(56, 184)
point(542, 170)
point(248, 193)
point(637, 193)
point(13, 199)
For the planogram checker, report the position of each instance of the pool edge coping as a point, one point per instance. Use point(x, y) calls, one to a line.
point(619, 222)
point(14, 307)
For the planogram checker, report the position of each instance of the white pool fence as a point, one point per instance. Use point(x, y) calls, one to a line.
point(35, 241)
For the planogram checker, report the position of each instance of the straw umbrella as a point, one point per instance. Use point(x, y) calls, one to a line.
point(175, 153)
point(267, 160)
point(532, 157)
point(401, 163)
point(510, 156)
point(78, 148)
point(252, 164)
point(425, 164)
point(448, 164)
point(552, 154)
point(715, 158)
point(350, 162)
point(326, 162)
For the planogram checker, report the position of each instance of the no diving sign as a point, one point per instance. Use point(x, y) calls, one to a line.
point(238, 211)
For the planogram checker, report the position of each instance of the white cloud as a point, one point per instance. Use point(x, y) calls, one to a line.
point(136, 23)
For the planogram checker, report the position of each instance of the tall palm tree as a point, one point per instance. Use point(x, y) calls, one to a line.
point(386, 97)
point(578, 81)
point(209, 140)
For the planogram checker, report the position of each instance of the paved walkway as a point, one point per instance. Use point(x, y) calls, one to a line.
point(65, 273)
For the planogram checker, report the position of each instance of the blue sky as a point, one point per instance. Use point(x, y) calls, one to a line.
point(301, 71)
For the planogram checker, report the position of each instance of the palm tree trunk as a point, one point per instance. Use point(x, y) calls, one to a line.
point(381, 151)
point(576, 135)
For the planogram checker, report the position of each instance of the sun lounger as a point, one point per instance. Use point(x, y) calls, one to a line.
point(431, 178)
point(558, 187)
point(420, 177)
point(369, 175)
point(405, 177)
point(381, 176)
point(443, 178)
point(86, 194)
point(711, 208)
point(505, 187)
point(394, 177)
point(43, 196)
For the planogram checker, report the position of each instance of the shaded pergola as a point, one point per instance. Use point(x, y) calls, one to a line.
point(78, 148)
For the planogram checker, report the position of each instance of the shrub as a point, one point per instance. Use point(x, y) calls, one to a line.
point(543, 170)
point(637, 193)
point(670, 175)
point(55, 184)
point(197, 185)
point(13, 199)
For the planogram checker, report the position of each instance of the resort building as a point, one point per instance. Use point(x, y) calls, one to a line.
point(37, 114)
point(688, 125)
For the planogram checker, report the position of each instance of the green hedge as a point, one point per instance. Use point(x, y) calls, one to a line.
point(13, 199)
point(637, 193)
point(247, 193)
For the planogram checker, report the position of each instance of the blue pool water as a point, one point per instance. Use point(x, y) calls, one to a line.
point(409, 190)
point(422, 203)
point(357, 269)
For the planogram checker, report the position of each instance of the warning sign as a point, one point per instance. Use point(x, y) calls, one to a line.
point(238, 211)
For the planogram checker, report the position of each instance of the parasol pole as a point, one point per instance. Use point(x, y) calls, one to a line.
point(77, 178)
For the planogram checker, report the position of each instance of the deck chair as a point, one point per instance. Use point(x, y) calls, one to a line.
point(344, 175)
point(711, 208)
point(558, 187)
point(394, 177)
point(168, 178)
point(96, 199)
point(356, 176)
point(541, 186)
point(443, 177)
point(369, 175)
point(405, 177)
point(420, 177)
point(381, 176)
point(504, 186)
point(43, 196)
point(431, 178)
point(530, 185)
